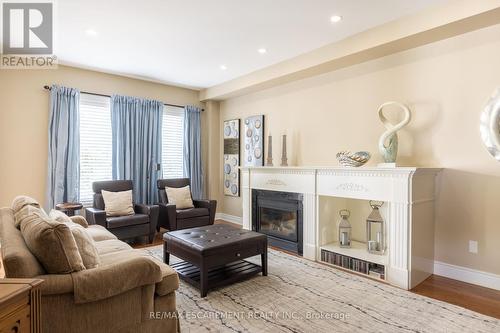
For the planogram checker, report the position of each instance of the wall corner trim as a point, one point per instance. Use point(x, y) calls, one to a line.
point(229, 218)
point(464, 274)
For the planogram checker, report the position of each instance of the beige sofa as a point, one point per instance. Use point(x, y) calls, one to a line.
point(129, 292)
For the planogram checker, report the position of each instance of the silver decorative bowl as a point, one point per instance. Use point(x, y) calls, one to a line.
point(348, 159)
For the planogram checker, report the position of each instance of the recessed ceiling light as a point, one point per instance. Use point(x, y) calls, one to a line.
point(91, 32)
point(223, 67)
point(335, 18)
point(262, 50)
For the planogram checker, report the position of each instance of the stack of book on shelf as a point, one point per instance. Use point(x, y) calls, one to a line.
point(353, 264)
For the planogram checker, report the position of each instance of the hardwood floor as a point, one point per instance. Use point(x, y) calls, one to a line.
point(470, 296)
point(475, 298)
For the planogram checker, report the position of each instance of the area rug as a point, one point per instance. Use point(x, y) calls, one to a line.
point(299, 295)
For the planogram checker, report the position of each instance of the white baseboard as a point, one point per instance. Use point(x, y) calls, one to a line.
point(464, 274)
point(229, 218)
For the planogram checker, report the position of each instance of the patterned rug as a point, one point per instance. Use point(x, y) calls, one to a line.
point(303, 296)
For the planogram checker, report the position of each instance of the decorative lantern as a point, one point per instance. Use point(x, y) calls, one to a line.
point(344, 228)
point(375, 230)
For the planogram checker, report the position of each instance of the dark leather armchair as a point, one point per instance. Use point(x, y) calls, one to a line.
point(172, 218)
point(142, 223)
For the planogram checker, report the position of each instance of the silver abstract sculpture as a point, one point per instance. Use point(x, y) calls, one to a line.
point(388, 142)
point(490, 125)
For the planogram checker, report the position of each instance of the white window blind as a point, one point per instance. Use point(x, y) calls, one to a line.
point(172, 142)
point(95, 143)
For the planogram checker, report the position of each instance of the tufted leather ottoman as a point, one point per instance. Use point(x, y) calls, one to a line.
point(213, 255)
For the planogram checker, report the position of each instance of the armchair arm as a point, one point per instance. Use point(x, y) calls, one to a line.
point(107, 281)
point(210, 204)
point(96, 216)
point(168, 216)
point(152, 210)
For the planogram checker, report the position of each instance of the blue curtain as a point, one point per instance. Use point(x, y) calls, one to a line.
point(193, 165)
point(136, 154)
point(63, 181)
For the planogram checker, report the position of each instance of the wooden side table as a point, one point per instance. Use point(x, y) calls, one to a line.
point(69, 207)
point(20, 302)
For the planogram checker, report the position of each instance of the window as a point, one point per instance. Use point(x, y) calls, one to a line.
point(95, 143)
point(172, 142)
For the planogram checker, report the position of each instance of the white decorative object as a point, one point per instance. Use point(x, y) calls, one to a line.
point(388, 142)
point(408, 194)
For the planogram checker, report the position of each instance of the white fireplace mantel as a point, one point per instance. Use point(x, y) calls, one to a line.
point(408, 192)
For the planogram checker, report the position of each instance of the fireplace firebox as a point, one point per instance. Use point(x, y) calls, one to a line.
point(279, 215)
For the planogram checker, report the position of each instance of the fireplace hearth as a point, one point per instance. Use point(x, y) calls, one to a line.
point(279, 215)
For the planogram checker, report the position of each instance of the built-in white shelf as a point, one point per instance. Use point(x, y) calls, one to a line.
point(357, 250)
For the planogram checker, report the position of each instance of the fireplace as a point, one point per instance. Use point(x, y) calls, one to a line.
point(279, 215)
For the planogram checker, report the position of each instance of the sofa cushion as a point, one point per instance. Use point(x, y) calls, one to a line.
point(18, 261)
point(84, 242)
point(111, 246)
point(180, 197)
point(170, 279)
point(124, 221)
point(99, 233)
point(191, 212)
point(118, 203)
point(51, 242)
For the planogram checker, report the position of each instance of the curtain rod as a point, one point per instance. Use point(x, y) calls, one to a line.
point(102, 95)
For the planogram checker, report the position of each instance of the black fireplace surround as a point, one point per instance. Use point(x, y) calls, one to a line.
point(279, 215)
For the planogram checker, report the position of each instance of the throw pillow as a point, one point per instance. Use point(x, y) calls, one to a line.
point(21, 206)
point(78, 219)
point(118, 203)
point(51, 242)
point(180, 196)
point(84, 242)
point(86, 246)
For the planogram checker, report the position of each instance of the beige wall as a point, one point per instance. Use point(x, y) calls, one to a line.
point(24, 109)
point(446, 84)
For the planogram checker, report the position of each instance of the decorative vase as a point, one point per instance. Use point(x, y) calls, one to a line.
point(389, 151)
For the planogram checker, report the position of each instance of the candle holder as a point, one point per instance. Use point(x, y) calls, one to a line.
point(344, 228)
point(284, 159)
point(375, 230)
point(269, 160)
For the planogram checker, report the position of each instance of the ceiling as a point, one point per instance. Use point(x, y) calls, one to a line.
point(185, 42)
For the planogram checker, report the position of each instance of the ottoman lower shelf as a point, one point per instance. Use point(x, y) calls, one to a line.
point(218, 276)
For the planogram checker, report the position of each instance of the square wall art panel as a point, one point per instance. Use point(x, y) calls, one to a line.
point(232, 157)
point(254, 141)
